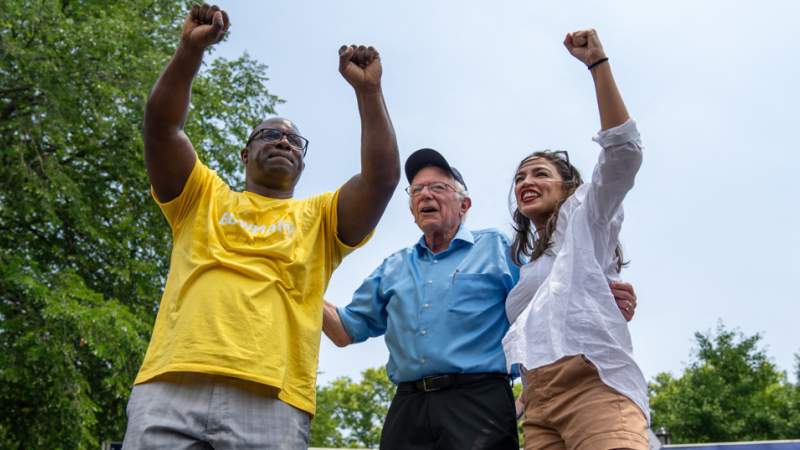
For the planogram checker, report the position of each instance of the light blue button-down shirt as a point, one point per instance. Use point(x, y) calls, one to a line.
point(441, 312)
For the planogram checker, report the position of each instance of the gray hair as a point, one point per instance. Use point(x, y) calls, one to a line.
point(461, 190)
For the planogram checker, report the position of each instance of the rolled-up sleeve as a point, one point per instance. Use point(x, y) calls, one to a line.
point(366, 316)
point(616, 169)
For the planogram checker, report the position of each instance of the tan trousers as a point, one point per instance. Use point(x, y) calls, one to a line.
point(567, 406)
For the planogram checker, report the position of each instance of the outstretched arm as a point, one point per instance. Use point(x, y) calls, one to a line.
point(586, 47)
point(364, 197)
point(332, 326)
point(168, 153)
point(622, 152)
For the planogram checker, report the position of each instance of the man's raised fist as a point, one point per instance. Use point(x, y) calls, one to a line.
point(204, 26)
point(361, 67)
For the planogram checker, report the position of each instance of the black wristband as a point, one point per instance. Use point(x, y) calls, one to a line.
point(596, 63)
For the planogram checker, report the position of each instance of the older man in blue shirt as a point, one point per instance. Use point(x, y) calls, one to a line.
point(441, 306)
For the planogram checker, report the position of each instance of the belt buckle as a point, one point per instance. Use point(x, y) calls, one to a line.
point(425, 383)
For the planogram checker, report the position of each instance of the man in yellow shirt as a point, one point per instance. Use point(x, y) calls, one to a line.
point(233, 357)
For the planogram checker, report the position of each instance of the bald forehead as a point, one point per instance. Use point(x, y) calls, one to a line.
point(279, 123)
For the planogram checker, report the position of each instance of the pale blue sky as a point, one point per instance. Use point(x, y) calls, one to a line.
point(712, 224)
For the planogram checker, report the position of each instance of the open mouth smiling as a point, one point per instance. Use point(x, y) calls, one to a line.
point(529, 195)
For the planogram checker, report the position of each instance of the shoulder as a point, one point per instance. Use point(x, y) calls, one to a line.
point(493, 248)
point(395, 263)
point(318, 200)
point(322, 204)
point(490, 236)
point(575, 200)
point(206, 176)
point(208, 173)
point(399, 256)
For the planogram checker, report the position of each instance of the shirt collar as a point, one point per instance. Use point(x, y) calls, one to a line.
point(463, 235)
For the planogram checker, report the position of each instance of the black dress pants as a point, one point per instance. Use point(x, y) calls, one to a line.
point(475, 416)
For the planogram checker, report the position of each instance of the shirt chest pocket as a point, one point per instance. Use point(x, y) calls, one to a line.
point(474, 293)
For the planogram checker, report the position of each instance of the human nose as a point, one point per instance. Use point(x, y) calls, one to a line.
point(526, 180)
point(284, 141)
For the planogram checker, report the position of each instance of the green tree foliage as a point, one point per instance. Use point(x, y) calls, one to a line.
point(350, 414)
point(797, 368)
point(730, 391)
point(517, 390)
point(83, 248)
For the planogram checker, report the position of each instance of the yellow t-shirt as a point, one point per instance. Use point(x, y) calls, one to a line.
point(244, 293)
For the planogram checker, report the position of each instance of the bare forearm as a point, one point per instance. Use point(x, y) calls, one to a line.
point(168, 154)
point(380, 161)
point(332, 326)
point(169, 100)
point(609, 101)
point(364, 197)
point(585, 46)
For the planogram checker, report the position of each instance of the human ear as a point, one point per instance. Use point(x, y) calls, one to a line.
point(466, 204)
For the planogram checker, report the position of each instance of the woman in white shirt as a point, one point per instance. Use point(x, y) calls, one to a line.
point(583, 389)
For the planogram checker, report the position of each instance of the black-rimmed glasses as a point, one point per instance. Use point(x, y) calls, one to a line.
point(272, 135)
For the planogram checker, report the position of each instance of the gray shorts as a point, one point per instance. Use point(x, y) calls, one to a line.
point(198, 411)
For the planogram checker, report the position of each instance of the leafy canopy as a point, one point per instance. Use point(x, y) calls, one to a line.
point(350, 414)
point(83, 248)
point(731, 391)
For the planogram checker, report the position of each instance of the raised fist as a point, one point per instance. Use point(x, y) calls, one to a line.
point(585, 46)
point(204, 26)
point(361, 67)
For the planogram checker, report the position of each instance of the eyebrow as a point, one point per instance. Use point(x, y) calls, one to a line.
point(542, 167)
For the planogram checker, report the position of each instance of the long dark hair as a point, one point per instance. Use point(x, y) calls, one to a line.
point(529, 242)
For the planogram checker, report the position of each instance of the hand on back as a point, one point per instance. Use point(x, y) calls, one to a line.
point(625, 297)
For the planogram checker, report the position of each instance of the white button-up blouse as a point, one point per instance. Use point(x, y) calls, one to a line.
point(562, 304)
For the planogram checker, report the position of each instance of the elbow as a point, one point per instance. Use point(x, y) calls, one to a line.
point(153, 127)
point(151, 112)
point(395, 177)
point(342, 341)
point(391, 182)
point(387, 181)
point(336, 333)
point(390, 175)
point(393, 174)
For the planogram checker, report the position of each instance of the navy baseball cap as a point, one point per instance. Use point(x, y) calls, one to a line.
point(426, 157)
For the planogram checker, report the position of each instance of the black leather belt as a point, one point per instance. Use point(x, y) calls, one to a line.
point(447, 381)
